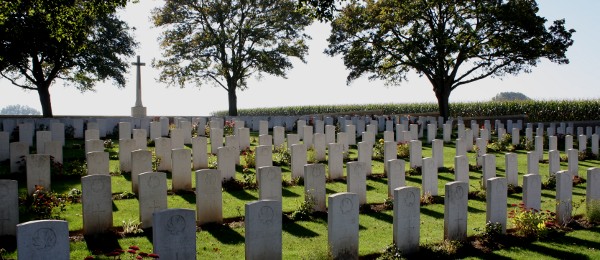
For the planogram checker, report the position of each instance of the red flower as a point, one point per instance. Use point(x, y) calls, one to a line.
point(143, 254)
point(88, 258)
point(113, 253)
point(138, 257)
point(153, 255)
point(134, 247)
point(131, 251)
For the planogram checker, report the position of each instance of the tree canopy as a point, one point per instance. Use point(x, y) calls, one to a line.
point(19, 110)
point(78, 41)
point(451, 43)
point(225, 42)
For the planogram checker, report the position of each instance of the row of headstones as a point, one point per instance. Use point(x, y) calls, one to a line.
point(174, 229)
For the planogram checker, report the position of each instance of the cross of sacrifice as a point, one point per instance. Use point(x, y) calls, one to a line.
point(138, 83)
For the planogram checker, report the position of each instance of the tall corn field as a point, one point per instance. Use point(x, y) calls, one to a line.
point(536, 111)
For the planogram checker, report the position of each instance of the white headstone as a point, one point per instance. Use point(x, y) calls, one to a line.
point(17, 151)
point(431, 132)
point(416, 158)
point(573, 157)
point(351, 134)
point(96, 201)
point(9, 207)
point(564, 197)
point(438, 153)
point(592, 192)
point(496, 197)
point(199, 153)
point(568, 143)
point(430, 177)
point(263, 222)
point(489, 168)
point(92, 134)
point(582, 142)
point(26, 133)
point(553, 162)
point(314, 185)
point(320, 146)
point(455, 210)
point(356, 180)
point(263, 155)
point(42, 137)
point(407, 219)
point(98, 163)
point(209, 197)
point(152, 195)
point(43, 240)
point(278, 136)
point(4, 146)
point(532, 191)
point(94, 146)
point(226, 161)
point(124, 130)
point(141, 162)
point(390, 152)
point(461, 168)
point(177, 138)
point(396, 175)
point(174, 234)
point(532, 163)
point(552, 143)
point(38, 171)
point(181, 175)
point(243, 138)
point(539, 147)
point(269, 183)
point(156, 130)
point(335, 161)
point(186, 130)
point(265, 140)
point(292, 139)
point(163, 149)
point(594, 144)
point(141, 138)
point(342, 227)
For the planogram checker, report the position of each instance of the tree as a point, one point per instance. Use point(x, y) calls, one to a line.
point(225, 42)
point(451, 43)
point(510, 96)
point(78, 41)
point(19, 110)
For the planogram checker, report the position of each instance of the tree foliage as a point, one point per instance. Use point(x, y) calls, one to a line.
point(19, 110)
point(225, 42)
point(79, 41)
point(451, 43)
point(510, 96)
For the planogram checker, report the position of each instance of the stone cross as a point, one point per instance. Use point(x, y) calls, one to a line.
point(138, 110)
point(138, 83)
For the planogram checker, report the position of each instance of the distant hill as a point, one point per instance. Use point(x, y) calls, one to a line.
point(510, 96)
point(19, 110)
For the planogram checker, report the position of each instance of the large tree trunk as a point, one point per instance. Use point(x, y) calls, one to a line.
point(232, 100)
point(443, 95)
point(44, 93)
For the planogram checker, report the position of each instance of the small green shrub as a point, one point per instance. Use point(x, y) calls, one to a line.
point(282, 155)
point(304, 211)
point(378, 150)
point(403, 150)
point(249, 158)
point(43, 204)
point(530, 223)
point(391, 252)
point(132, 227)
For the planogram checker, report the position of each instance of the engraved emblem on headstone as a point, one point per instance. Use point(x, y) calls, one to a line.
point(266, 215)
point(44, 238)
point(176, 225)
point(346, 205)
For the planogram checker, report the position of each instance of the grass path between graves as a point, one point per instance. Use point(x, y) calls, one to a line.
point(307, 239)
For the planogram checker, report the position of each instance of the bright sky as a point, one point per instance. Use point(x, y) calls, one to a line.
point(322, 80)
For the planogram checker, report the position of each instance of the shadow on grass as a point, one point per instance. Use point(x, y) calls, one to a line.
point(413, 179)
point(381, 180)
point(9, 243)
point(188, 196)
point(381, 216)
point(369, 187)
point(104, 243)
point(555, 253)
point(475, 210)
point(444, 177)
point(242, 195)
point(431, 213)
point(297, 230)
point(289, 194)
point(224, 233)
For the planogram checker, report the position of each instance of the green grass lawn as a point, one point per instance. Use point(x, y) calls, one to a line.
point(307, 239)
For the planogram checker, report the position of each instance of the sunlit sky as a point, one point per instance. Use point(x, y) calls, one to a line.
point(322, 79)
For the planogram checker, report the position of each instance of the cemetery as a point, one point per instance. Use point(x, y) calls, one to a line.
point(297, 187)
